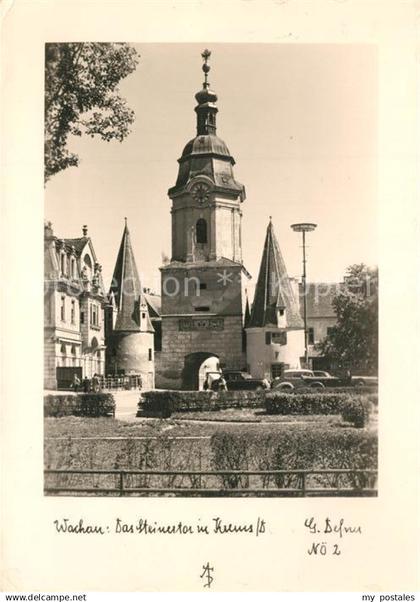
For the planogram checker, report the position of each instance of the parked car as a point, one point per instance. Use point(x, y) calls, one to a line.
point(364, 381)
point(236, 380)
point(298, 379)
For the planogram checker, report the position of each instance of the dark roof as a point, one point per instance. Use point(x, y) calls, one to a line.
point(154, 303)
point(207, 155)
point(273, 290)
point(319, 298)
point(206, 144)
point(127, 290)
point(78, 243)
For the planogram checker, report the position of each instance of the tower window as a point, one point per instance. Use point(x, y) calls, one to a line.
point(201, 231)
point(73, 311)
point(63, 309)
point(203, 286)
point(311, 336)
point(150, 355)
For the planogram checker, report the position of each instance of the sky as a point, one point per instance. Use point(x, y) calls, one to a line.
point(301, 123)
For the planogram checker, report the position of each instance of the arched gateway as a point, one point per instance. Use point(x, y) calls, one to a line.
point(196, 366)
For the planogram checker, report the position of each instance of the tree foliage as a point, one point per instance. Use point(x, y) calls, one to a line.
point(82, 96)
point(353, 342)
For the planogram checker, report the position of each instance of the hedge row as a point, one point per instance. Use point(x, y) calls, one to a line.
point(365, 390)
point(164, 403)
point(84, 404)
point(354, 408)
point(304, 403)
point(299, 448)
point(296, 449)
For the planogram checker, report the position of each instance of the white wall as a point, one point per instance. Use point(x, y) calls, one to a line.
point(261, 356)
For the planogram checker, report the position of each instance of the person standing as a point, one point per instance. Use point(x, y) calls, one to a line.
point(222, 386)
point(95, 383)
point(76, 383)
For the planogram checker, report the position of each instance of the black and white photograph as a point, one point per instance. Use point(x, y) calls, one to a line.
point(210, 300)
point(211, 270)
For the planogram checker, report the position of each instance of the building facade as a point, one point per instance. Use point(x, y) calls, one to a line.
point(275, 330)
point(203, 284)
point(74, 302)
point(128, 328)
point(321, 317)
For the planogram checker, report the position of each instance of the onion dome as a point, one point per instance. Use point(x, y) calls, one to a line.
point(207, 154)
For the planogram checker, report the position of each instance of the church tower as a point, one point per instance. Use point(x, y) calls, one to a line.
point(202, 286)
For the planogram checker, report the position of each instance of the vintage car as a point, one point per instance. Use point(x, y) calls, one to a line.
point(237, 380)
point(322, 374)
point(364, 381)
point(298, 379)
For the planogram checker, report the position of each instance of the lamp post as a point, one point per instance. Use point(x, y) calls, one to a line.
point(304, 227)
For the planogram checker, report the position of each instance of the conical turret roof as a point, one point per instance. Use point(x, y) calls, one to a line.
point(274, 293)
point(127, 291)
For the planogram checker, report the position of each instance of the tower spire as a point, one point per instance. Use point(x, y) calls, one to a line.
point(206, 109)
point(273, 292)
point(126, 289)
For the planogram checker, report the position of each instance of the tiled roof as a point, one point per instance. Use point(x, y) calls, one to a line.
point(273, 290)
point(319, 298)
point(78, 244)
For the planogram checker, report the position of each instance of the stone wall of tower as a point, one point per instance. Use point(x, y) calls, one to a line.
point(132, 353)
point(177, 344)
point(223, 218)
point(185, 290)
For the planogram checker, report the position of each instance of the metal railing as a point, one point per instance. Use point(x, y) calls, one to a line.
point(232, 483)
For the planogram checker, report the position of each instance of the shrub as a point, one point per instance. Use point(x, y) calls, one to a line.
point(356, 411)
point(164, 403)
point(85, 404)
point(295, 449)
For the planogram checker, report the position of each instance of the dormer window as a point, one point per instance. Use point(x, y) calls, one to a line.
point(63, 264)
point(73, 267)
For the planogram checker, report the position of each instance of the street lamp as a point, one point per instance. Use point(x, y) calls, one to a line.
point(305, 227)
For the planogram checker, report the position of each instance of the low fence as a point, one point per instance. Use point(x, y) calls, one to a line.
point(213, 483)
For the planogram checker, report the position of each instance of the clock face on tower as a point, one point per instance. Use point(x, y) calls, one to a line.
point(201, 193)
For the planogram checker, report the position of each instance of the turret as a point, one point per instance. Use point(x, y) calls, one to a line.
point(129, 329)
point(275, 332)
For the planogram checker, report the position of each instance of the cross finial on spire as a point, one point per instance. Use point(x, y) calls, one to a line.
point(206, 68)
